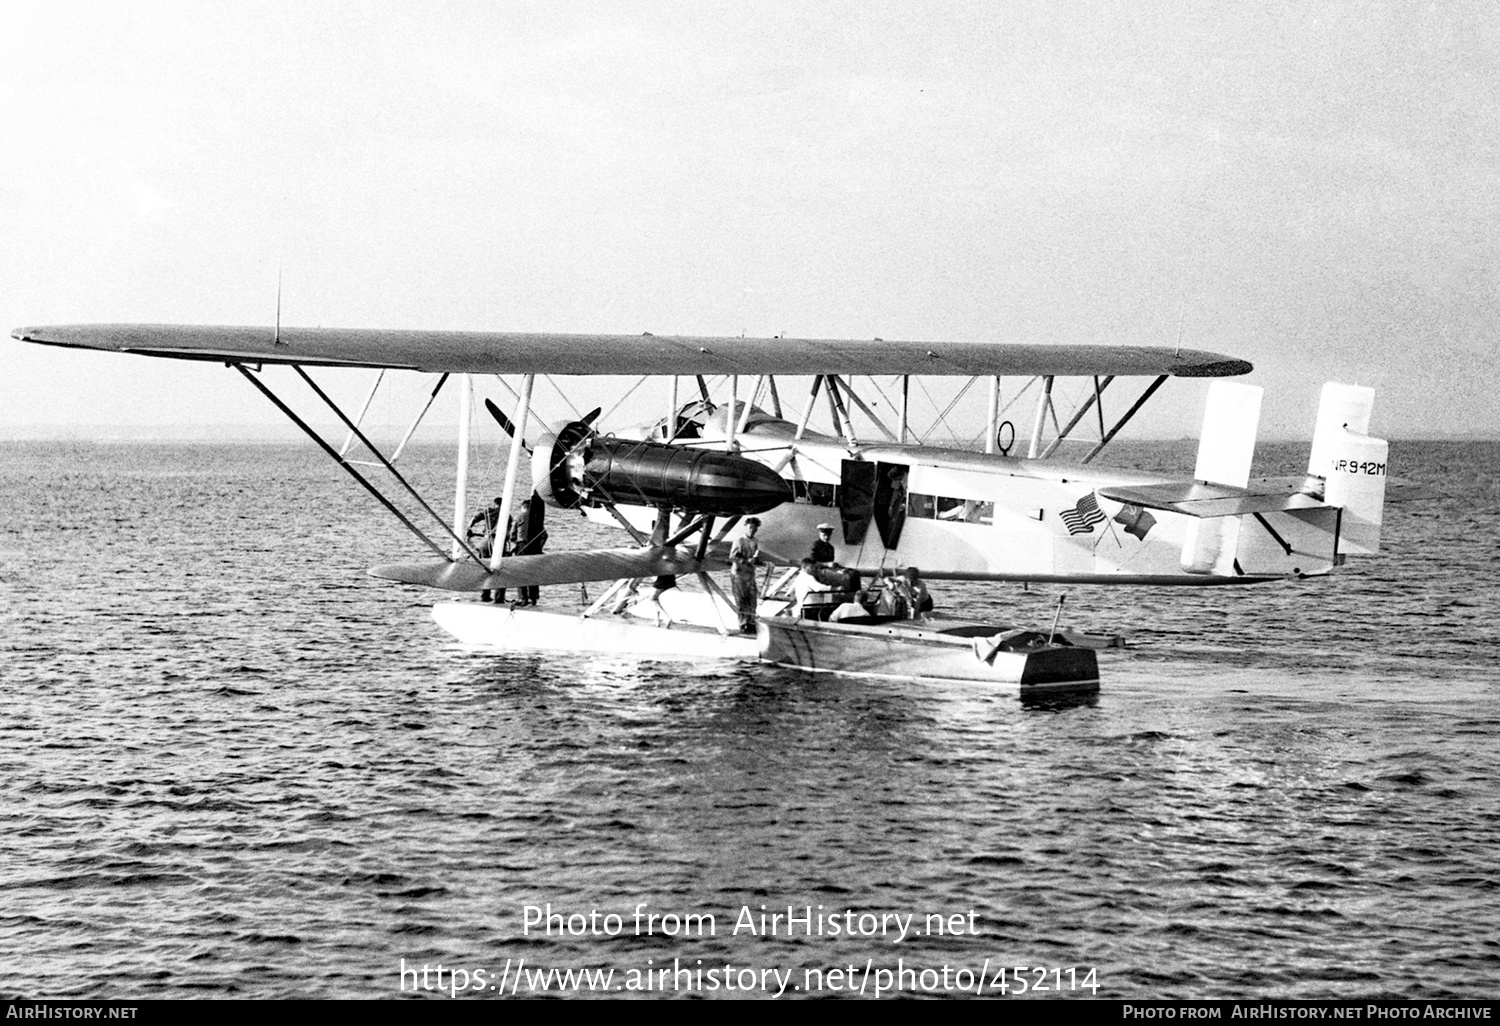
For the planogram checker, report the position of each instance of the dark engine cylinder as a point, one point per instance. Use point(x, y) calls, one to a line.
point(587, 468)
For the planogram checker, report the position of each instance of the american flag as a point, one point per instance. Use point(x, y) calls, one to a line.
point(1082, 517)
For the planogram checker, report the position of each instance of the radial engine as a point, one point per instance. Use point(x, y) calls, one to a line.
point(573, 465)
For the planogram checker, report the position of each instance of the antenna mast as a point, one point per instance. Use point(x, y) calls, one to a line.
point(277, 340)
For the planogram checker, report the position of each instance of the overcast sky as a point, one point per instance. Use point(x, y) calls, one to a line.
point(1310, 186)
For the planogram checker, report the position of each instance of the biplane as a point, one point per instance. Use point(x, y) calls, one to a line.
point(801, 432)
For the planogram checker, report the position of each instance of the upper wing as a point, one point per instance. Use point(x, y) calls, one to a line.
point(520, 352)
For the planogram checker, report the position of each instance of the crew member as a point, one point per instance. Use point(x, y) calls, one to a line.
point(507, 548)
point(528, 537)
point(916, 593)
point(890, 601)
point(481, 535)
point(857, 606)
point(822, 549)
point(807, 583)
point(742, 556)
point(663, 584)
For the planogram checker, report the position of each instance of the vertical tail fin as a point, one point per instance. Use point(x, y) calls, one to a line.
point(1226, 448)
point(1352, 464)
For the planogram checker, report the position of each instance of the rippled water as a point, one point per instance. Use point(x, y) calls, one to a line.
point(234, 765)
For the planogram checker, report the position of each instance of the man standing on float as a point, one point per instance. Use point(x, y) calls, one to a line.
point(742, 556)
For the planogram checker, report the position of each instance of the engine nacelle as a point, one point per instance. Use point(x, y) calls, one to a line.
point(573, 465)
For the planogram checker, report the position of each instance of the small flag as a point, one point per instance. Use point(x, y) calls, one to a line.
point(1082, 517)
point(1136, 520)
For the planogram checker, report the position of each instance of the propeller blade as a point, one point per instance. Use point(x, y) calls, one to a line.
point(506, 424)
point(588, 421)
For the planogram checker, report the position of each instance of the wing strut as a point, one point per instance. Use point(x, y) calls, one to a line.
point(360, 417)
point(331, 451)
point(461, 467)
point(1150, 391)
point(992, 424)
point(812, 398)
point(942, 417)
point(729, 421)
point(905, 406)
point(802, 421)
point(863, 408)
point(1096, 396)
point(508, 494)
point(840, 411)
point(1043, 405)
point(744, 413)
point(459, 539)
point(416, 423)
point(1099, 397)
point(640, 539)
point(442, 379)
point(628, 393)
point(703, 523)
point(672, 410)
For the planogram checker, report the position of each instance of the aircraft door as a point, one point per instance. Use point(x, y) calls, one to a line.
point(857, 486)
point(890, 502)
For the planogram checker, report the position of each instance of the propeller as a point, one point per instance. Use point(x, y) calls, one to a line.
point(509, 426)
point(506, 424)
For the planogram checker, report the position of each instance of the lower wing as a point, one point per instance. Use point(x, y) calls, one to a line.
point(550, 568)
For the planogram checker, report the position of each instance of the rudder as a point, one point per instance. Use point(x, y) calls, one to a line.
point(1352, 465)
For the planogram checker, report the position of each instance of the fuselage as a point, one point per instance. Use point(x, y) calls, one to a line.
point(966, 515)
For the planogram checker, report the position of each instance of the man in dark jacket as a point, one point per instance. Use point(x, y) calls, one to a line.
point(822, 549)
point(528, 538)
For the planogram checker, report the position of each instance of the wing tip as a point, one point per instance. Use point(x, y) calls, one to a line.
point(1213, 365)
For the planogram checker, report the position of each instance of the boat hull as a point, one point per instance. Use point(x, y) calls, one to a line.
point(907, 650)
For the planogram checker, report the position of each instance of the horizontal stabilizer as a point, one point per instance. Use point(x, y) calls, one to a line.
point(550, 568)
point(1199, 499)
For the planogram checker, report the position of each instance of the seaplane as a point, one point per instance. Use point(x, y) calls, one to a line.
point(806, 432)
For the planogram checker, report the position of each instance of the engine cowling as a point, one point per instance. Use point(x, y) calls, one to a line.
point(578, 467)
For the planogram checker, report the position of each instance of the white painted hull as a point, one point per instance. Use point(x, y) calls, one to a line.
point(489, 626)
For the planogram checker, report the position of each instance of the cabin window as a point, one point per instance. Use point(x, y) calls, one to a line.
point(949, 509)
point(955, 511)
point(815, 493)
point(976, 512)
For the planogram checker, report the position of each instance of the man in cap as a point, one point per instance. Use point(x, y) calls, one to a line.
point(822, 549)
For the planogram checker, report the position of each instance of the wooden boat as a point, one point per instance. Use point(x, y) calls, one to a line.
point(932, 648)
